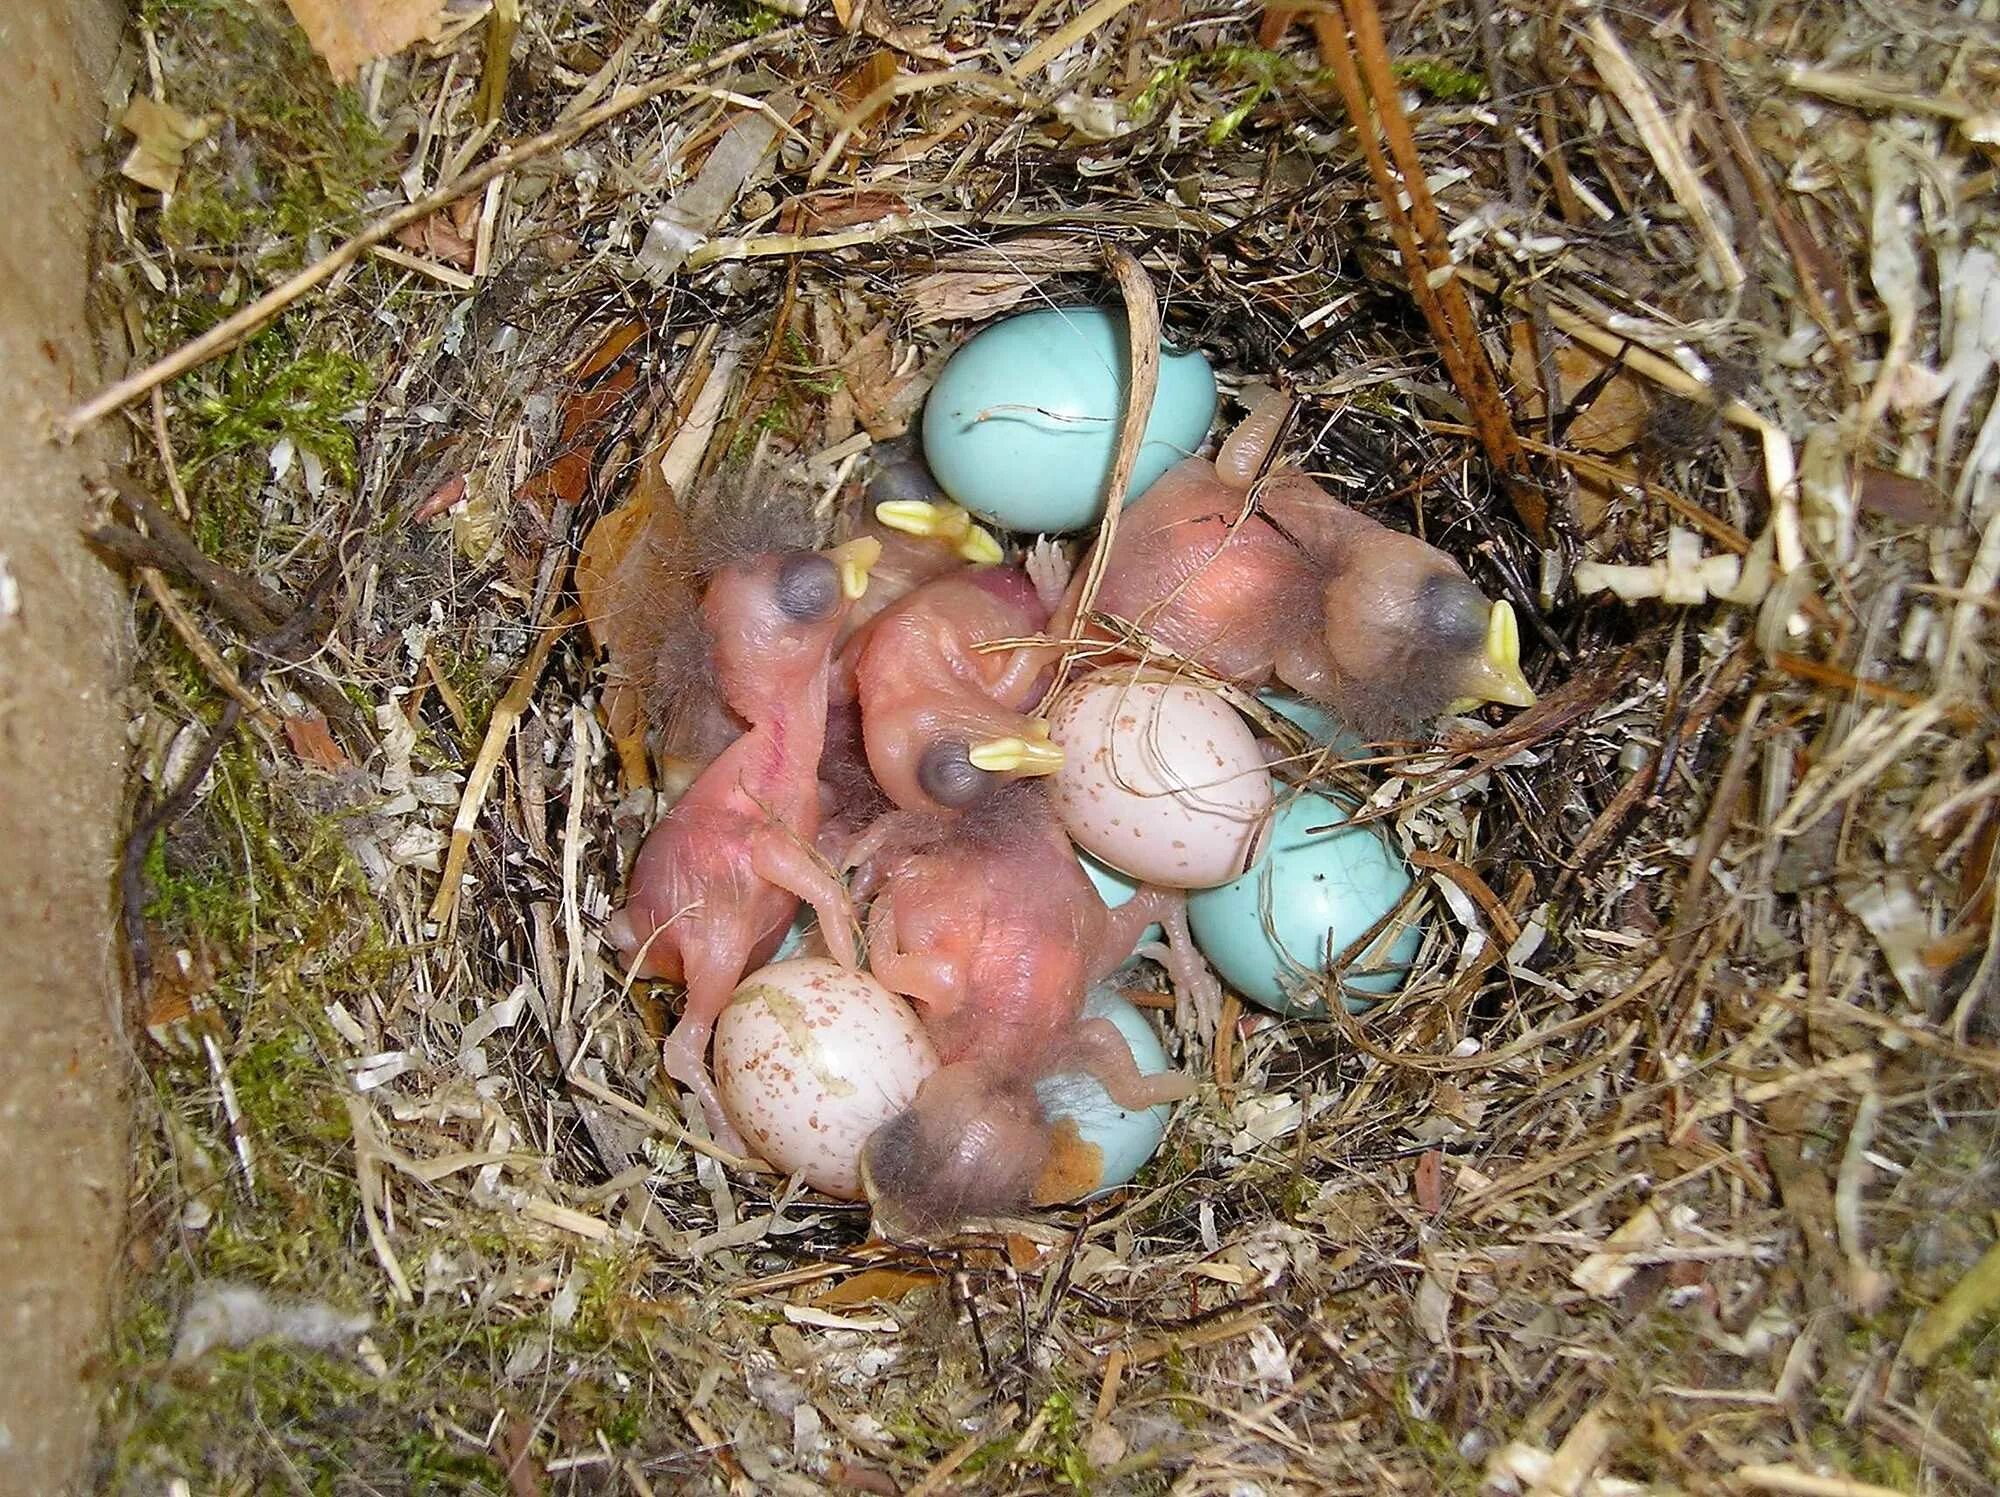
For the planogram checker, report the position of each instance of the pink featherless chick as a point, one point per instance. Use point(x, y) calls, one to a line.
point(922, 533)
point(993, 929)
point(722, 874)
point(946, 720)
point(1273, 577)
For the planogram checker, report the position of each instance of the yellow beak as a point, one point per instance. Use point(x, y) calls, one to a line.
point(855, 558)
point(1496, 675)
point(945, 522)
point(1026, 756)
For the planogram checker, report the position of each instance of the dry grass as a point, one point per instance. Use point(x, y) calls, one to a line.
point(1672, 1169)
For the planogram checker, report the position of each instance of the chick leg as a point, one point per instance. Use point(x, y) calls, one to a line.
point(711, 978)
point(778, 859)
point(1106, 1056)
point(934, 983)
point(1198, 993)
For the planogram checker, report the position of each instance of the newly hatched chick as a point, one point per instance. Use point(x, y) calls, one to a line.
point(1282, 579)
point(922, 533)
point(945, 722)
point(992, 928)
point(643, 574)
point(721, 875)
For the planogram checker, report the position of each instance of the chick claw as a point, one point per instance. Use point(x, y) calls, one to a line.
point(945, 522)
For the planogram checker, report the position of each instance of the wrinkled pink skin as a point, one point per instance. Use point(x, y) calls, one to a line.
point(921, 680)
point(997, 943)
point(722, 874)
point(1284, 581)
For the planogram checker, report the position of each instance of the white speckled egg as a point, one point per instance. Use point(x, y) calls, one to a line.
point(1160, 779)
point(810, 1059)
point(1123, 1140)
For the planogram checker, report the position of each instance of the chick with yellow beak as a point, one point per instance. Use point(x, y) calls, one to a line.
point(1495, 676)
point(942, 521)
point(722, 874)
point(947, 679)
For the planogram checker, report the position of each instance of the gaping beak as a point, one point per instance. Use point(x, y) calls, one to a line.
point(945, 522)
point(855, 559)
point(1496, 675)
point(1021, 756)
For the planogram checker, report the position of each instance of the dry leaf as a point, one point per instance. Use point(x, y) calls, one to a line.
point(1900, 497)
point(873, 1286)
point(1615, 416)
point(858, 84)
point(693, 212)
point(161, 135)
point(440, 499)
point(835, 209)
point(1610, 1269)
point(1432, 1308)
point(313, 743)
point(586, 416)
point(348, 33)
point(883, 399)
point(1428, 1181)
point(1612, 421)
point(445, 236)
point(628, 580)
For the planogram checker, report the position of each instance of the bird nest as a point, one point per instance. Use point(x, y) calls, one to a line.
point(1672, 1164)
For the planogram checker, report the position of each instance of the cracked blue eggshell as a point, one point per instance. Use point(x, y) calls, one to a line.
point(803, 925)
point(1125, 1139)
point(1318, 894)
point(1315, 722)
point(1021, 425)
point(1114, 888)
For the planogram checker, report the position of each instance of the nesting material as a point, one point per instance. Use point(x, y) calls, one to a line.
point(1682, 1110)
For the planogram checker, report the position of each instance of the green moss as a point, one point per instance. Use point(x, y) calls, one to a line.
point(262, 1410)
point(230, 415)
point(292, 155)
point(1247, 76)
point(1061, 1450)
point(608, 1277)
point(755, 20)
point(432, 1463)
point(472, 676)
point(1439, 79)
point(1435, 1445)
point(251, 864)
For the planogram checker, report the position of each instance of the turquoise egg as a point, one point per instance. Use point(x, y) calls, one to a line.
point(1315, 722)
point(803, 924)
point(1114, 888)
point(1021, 425)
point(1126, 1139)
point(1319, 895)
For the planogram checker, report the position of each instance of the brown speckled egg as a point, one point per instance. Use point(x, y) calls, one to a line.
point(810, 1059)
point(1160, 779)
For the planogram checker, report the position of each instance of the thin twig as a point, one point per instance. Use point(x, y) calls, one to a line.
point(226, 334)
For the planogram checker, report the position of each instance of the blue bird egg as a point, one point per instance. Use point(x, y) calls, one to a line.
point(1272, 932)
point(1115, 889)
point(1124, 1140)
point(1315, 722)
point(803, 925)
point(1021, 425)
